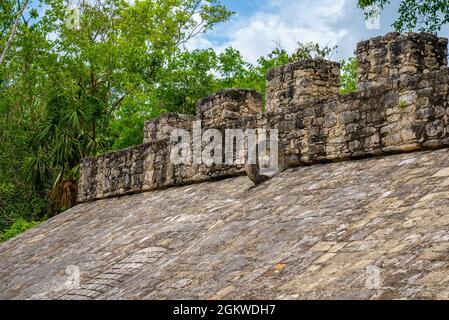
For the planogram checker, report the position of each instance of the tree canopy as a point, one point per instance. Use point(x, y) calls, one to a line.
point(69, 90)
point(74, 85)
point(424, 15)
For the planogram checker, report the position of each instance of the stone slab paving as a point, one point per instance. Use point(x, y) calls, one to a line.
point(366, 229)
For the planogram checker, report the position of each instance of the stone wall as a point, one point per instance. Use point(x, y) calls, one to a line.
point(162, 127)
point(149, 167)
point(226, 105)
point(302, 81)
point(398, 116)
point(395, 55)
point(400, 111)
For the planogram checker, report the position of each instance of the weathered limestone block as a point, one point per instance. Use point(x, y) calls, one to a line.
point(226, 105)
point(394, 114)
point(162, 127)
point(397, 116)
point(311, 233)
point(114, 173)
point(398, 54)
point(302, 81)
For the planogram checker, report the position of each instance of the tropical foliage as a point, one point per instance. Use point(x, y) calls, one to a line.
point(423, 15)
point(81, 80)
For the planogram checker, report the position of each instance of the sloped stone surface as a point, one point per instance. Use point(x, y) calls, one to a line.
point(311, 232)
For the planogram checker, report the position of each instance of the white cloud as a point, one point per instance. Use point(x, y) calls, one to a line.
point(328, 22)
point(199, 42)
point(282, 22)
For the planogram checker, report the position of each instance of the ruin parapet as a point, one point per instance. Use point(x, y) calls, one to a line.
point(228, 105)
point(300, 82)
point(401, 106)
point(394, 55)
point(162, 127)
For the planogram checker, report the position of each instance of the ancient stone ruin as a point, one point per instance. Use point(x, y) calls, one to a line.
point(400, 106)
point(325, 228)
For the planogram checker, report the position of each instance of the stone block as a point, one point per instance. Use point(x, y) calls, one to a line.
point(230, 104)
point(315, 124)
point(162, 127)
point(300, 82)
point(395, 55)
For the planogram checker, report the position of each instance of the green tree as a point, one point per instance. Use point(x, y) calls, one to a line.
point(112, 59)
point(310, 50)
point(348, 75)
point(188, 77)
point(19, 226)
point(5, 15)
point(68, 91)
point(424, 15)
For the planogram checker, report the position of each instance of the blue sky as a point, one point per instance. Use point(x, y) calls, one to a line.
point(259, 25)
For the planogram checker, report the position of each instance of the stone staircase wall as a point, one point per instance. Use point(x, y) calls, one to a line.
point(401, 105)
